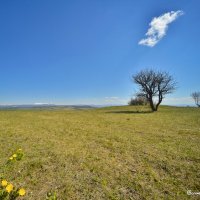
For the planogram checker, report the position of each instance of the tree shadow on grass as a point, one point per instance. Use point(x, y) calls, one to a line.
point(130, 112)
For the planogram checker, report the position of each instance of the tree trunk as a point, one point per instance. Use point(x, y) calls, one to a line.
point(160, 98)
point(151, 104)
point(159, 102)
point(157, 105)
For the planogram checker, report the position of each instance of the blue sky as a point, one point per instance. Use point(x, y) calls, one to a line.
point(85, 52)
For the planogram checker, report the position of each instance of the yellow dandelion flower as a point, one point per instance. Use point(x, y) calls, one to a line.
point(19, 149)
point(4, 183)
point(14, 155)
point(22, 192)
point(9, 188)
point(11, 158)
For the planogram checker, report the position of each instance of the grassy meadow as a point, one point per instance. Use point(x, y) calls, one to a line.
point(123, 152)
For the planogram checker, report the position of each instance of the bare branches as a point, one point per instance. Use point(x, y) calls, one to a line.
point(196, 97)
point(154, 84)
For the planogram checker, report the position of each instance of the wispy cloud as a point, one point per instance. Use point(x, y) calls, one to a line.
point(41, 103)
point(116, 100)
point(158, 28)
point(113, 98)
point(178, 101)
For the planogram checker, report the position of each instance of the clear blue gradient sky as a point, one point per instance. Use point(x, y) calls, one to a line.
point(85, 52)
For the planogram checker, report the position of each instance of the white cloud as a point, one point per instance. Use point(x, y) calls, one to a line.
point(158, 28)
point(178, 101)
point(113, 98)
point(41, 103)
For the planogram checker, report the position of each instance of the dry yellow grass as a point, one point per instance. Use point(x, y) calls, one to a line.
point(108, 153)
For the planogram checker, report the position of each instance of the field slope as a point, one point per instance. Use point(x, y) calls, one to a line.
point(107, 153)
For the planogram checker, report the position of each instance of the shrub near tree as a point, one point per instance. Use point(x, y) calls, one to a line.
point(154, 86)
point(138, 100)
point(135, 101)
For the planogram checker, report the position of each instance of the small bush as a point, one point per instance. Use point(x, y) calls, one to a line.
point(137, 101)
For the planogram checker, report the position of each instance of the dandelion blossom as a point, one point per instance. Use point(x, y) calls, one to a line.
point(4, 183)
point(15, 155)
point(22, 192)
point(9, 188)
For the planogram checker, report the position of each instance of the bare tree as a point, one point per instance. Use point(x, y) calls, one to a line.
point(196, 97)
point(154, 84)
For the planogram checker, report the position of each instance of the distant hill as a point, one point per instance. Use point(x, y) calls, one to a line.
point(44, 106)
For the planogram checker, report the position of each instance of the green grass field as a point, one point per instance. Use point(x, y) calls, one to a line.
point(108, 153)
